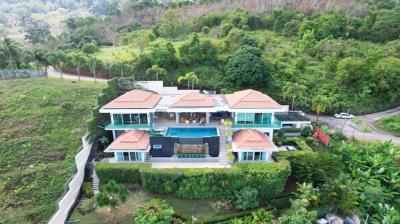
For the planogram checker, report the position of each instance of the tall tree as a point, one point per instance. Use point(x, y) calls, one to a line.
point(12, 52)
point(156, 71)
point(78, 60)
point(190, 77)
point(294, 91)
point(319, 104)
point(57, 59)
point(92, 63)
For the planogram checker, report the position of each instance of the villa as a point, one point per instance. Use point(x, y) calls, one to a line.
point(154, 123)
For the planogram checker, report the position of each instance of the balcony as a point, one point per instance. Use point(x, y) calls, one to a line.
point(127, 126)
point(275, 124)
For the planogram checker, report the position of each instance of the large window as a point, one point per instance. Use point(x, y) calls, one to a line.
point(130, 119)
point(129, 156)
point(254, 156)
point(253, 118)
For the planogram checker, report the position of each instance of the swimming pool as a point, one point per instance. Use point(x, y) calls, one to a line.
point(191, 132)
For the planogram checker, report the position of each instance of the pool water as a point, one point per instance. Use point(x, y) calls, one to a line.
point(191, 132)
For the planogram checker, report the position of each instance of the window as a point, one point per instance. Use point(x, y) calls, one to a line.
point(254, 156)
point(260, 156)
point(126, 156)
point(143, 119)
point(117, 119)
point(247, 156)
point(245, 118)
point(120, 156)
point(126, 119)
point(267, 118)
point(157, 146)
point(129, 156)
point(135, 119)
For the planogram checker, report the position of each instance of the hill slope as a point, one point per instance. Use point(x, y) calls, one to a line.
point(42, 121)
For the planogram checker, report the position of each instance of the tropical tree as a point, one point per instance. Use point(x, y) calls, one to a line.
point(92, 63)
point(294, 91)
point(40, 59)
point(78, 60)
point(190, 77)
point(57, 60)
point(319, 104)
point(156, 71)
point(12, 52)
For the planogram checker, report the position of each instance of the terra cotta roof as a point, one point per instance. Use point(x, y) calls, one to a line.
point(192, 99)
point(135, 99)
point(251, 99)
point(251, 139)
point(131, 140)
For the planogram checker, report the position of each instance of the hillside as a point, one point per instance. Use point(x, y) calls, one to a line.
point(42, 122)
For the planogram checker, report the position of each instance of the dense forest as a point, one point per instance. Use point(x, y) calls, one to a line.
point(339, 54)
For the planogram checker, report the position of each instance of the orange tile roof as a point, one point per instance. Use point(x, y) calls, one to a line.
point(251, 99)
point(251, 139)
point(135, 99)
point(131, 140)
point(192, 99)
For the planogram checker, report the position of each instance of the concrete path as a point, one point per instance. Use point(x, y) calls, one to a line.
point(350, 129)
point(161, 165)
point(55, 74)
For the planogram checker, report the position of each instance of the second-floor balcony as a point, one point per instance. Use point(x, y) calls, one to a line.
point(128, 126)
point(275, 124)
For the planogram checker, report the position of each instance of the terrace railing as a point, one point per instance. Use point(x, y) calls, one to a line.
point(127, 126)
point(275, 124)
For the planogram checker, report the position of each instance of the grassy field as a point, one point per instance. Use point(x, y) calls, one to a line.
point(41, 122)
point(390, 125)
point(125, 212)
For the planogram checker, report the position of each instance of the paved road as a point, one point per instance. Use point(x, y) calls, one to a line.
point(55, 74)
point(350, 129)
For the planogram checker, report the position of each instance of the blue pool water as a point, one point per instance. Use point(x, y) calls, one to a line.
point(191, 132)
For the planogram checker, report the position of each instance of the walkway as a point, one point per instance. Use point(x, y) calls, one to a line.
point(222, 146)
point(350, 129)
point(96, 182)
point(55, 74)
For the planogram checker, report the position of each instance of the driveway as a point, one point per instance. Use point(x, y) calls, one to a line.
point(55, 74)
point(364, 129)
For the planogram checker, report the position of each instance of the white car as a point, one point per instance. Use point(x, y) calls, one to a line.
point(344, 116)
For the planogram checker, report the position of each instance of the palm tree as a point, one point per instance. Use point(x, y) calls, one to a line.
point(157, 71)
point(57, 59)
point(78, 60)
point(190, 77)
point(92, 63)
point(12, 51)
point(40, 59)
point(319, 104)
point(294, 91)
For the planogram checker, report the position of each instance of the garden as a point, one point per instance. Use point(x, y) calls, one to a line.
point(389, 124)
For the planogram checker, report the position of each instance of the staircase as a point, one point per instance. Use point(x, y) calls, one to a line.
point(222, 146)
point(147, 157)
point(95, 183)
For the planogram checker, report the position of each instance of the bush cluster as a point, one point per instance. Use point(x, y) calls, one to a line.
point(268, 178)
point(309, 166)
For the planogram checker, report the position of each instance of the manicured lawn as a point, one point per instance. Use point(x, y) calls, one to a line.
point(390, 125)
point(41, 121)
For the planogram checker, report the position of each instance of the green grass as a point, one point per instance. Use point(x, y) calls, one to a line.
point(125, 212)
point(389, 124)
point(42, 122)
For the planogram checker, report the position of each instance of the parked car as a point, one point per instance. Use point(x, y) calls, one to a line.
point(344, 116)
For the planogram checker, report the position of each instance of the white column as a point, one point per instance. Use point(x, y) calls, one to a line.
point(143, 155)
point(235, 117)
point(112, 118)
point(115, 157)
point(273, 117)
point(207, 118)
point(239, 156)
point(148, 118)
point(177, 117)
point(271, 134)
point(113, 131)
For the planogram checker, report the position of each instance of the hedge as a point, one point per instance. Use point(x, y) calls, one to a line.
point(269, 179)
point(229, 216)
point(308, 166)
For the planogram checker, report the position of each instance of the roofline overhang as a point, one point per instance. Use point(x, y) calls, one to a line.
point(127, 150)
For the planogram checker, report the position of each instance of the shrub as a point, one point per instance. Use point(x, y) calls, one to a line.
point(87, 205)
point(221, 205)
point(307, 131)
point(268, 178)
point(309, 166)
point(155, 211)
point(205, 30)
point(112, 195)
point(87, 190)
point(90, 48)
point(246, 198)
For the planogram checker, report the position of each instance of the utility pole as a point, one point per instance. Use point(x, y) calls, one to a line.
point(345, 120)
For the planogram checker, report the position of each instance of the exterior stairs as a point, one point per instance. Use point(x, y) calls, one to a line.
point(147, 158)
point(222, 146)
point(95, 183)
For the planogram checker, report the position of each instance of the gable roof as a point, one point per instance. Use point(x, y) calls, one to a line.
point(135, 99)
point(192, 99)
point(251, 139)
point(130, 140)
point(251, 99)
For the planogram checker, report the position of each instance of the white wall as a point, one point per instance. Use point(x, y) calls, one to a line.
point(65, 204)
